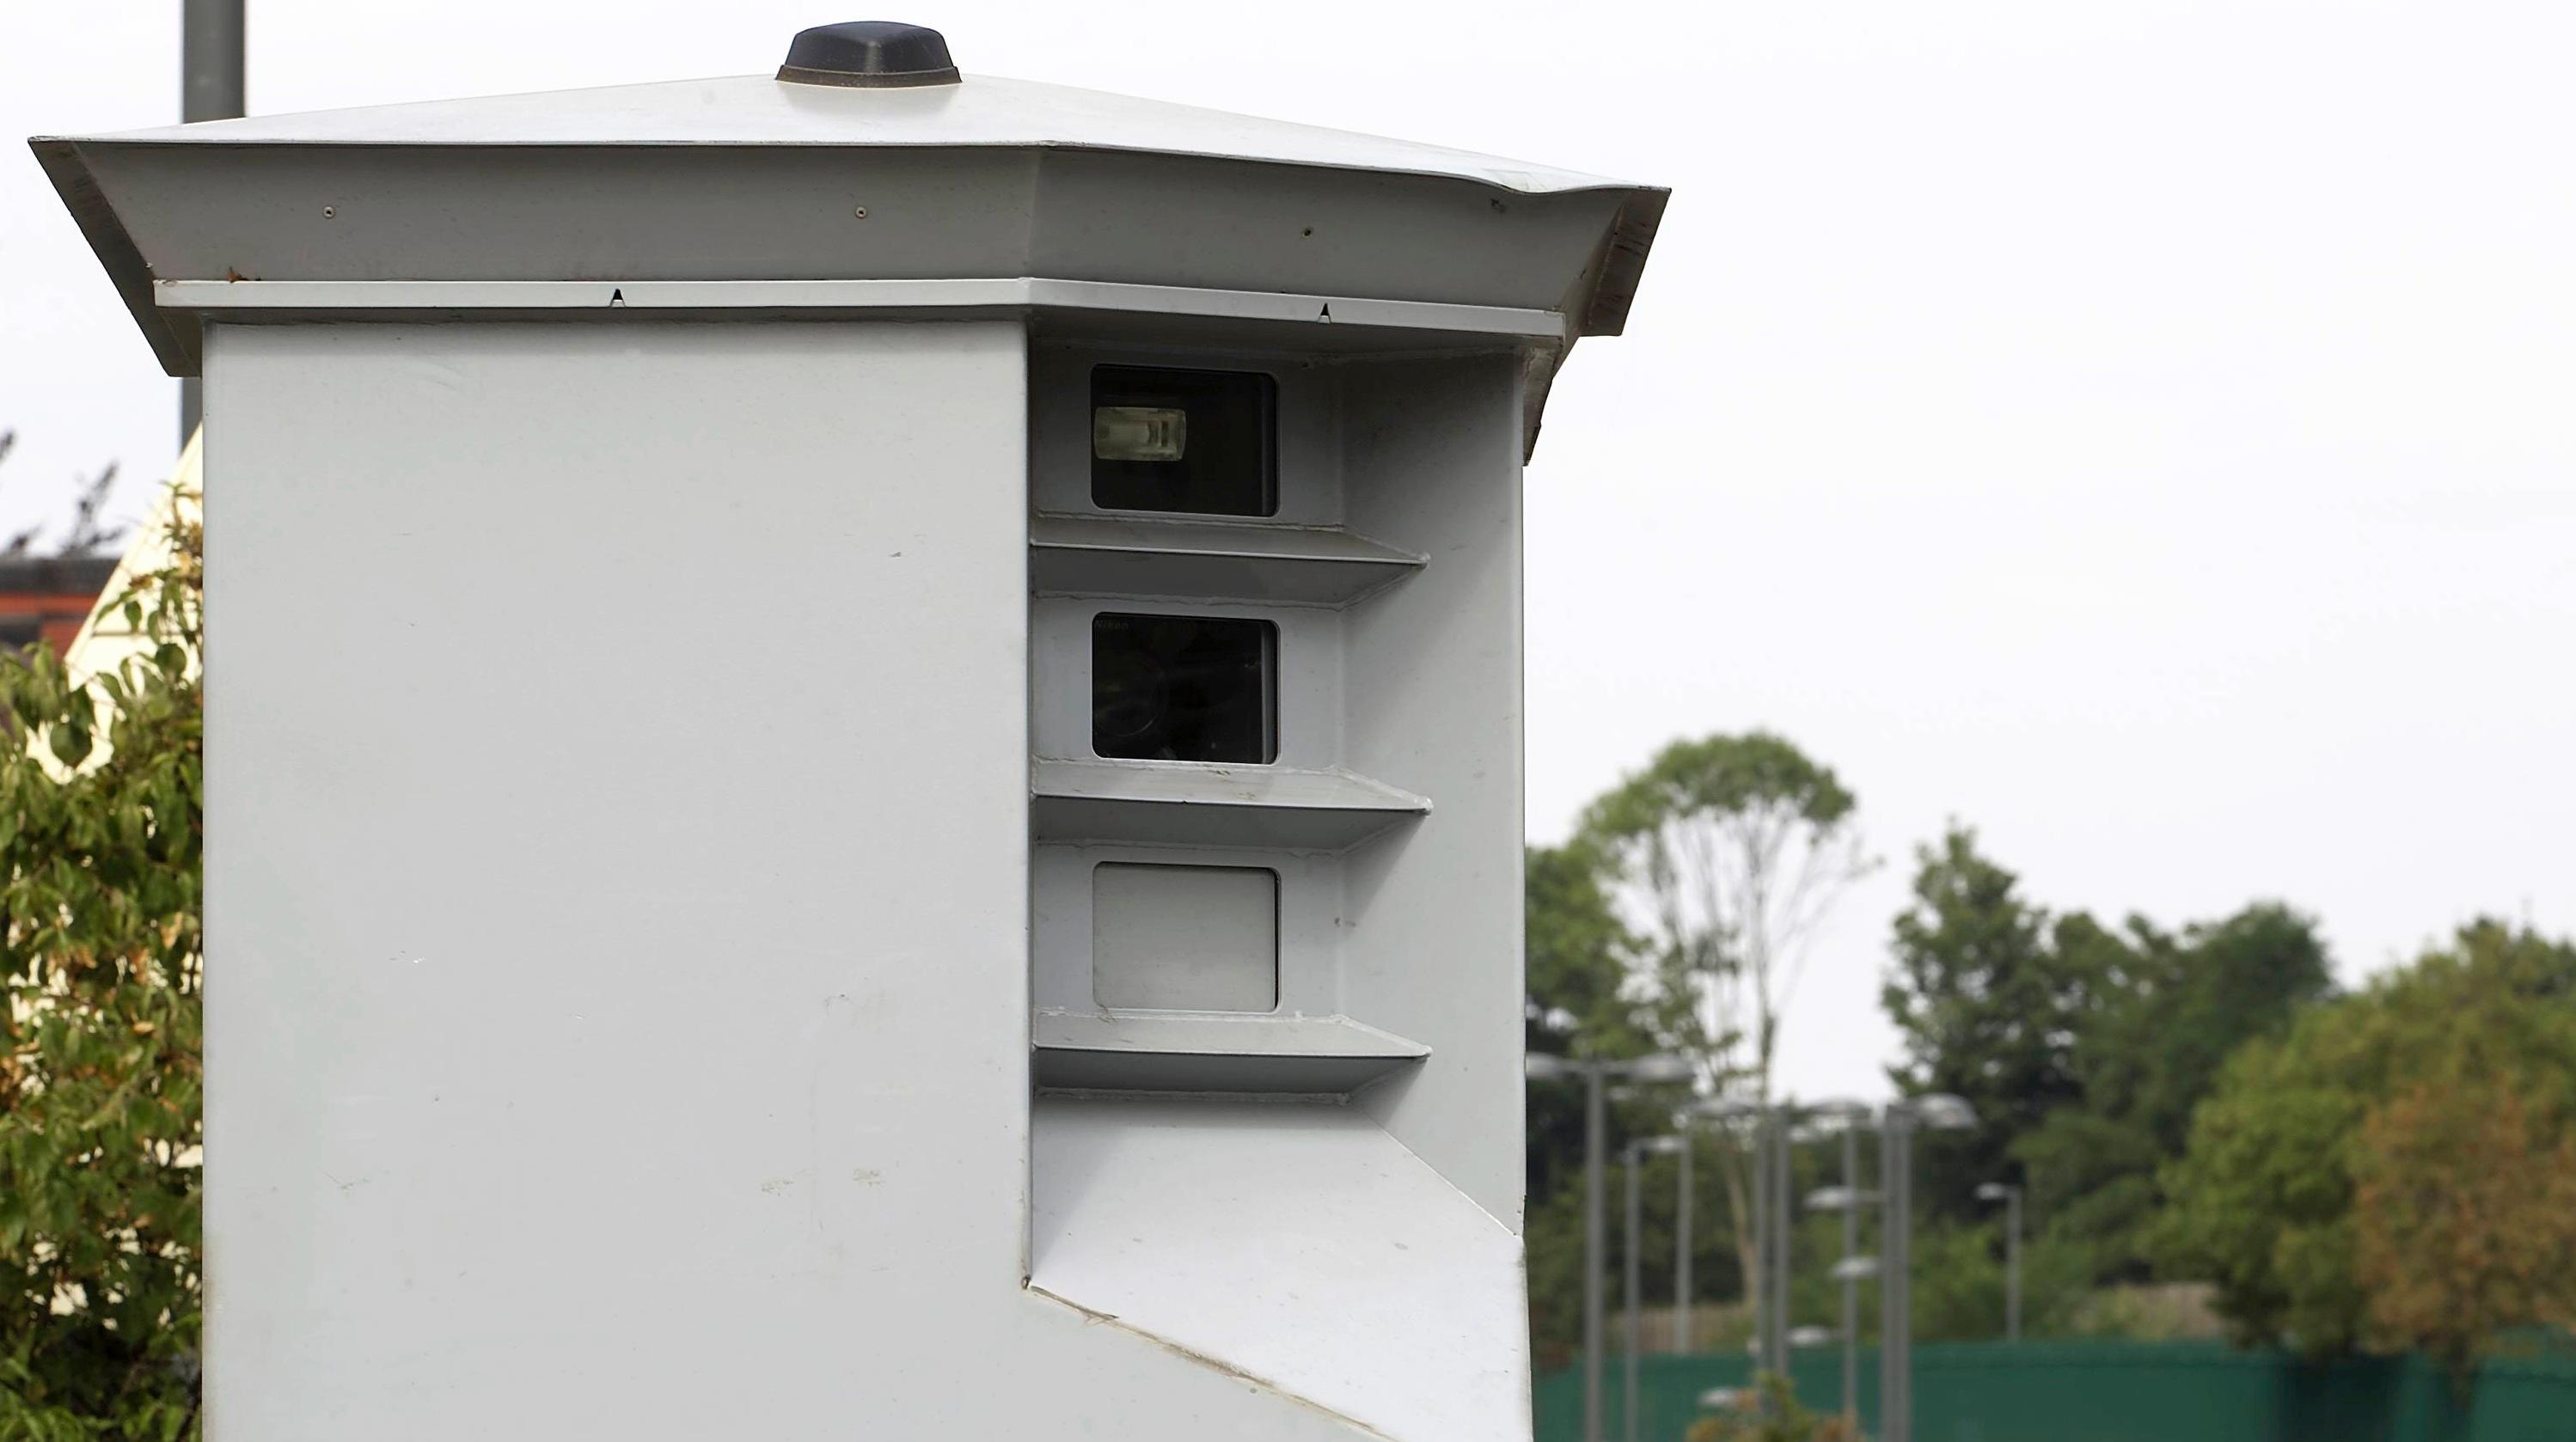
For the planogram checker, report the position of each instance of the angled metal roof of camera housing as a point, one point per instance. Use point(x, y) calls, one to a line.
point(1000, 194)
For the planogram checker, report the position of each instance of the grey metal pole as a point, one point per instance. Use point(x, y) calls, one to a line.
point(1634, 1268)
point(210, 88)
point(1905, 1278)
point(2012, 1264)
point(1757, 1293)
point(1851, 1285)
point(1776, 1270)
point(1894, 1319)
point(1682, 1252)
point(1896, 1420)
point(1595, 1123)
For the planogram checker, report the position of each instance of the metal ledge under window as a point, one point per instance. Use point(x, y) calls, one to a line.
point(1213, 1052)
point(1180, 804)
point(1294, 565)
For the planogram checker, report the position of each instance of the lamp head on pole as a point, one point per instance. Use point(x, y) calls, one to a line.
point(1725, 1109)
point(1943, 1112)
point(1662, 1067)
point(1541, 1066)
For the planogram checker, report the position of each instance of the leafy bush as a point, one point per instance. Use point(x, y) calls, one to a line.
point(2339, 1178)
point(100, 1118)
point(1769, 1412)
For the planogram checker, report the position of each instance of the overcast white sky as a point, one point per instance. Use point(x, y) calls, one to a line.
point(2144, 431)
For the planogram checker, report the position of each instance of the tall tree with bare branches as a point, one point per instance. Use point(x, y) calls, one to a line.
point(1730, 851)
point(88, 532)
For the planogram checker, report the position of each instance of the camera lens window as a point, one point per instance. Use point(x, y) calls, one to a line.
point(1199, 443)
point(1184, 688)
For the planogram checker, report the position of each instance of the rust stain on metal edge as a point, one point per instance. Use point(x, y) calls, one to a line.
point(1214, 1364)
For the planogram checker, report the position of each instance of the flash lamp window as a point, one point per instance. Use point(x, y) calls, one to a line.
point(1201, 443)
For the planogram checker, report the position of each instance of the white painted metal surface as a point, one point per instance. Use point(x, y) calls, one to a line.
point(598, 1047)
point(1294, 565)
point(1220, 1053)
point(1184, 938)
point(952, 295)
point(737, 193)
point(651, 1035)
point(1216, 805)
point(985, 112)
point(1433, 665)
point(1294, 1242)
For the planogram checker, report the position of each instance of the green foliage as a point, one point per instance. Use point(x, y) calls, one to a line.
point(1985, 1009)
point(2166, 1013)
point(2464, 1215)
point(1960, 1281)
point(2263, 1200)
point(1728, 851)
point(1554, 1233)
point(1577, 960)
point(100, 1117)
point(1579, 957)
point(2083, 1049)
point(1772, 1414)
point(1730, 847)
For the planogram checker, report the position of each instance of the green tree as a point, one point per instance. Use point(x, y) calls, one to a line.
point(2464, 1215)
point(2166, 1013)
point(2263, 1202)
point(100, 1118)
point(1728, 852)
point(1985, 1008)
point(1577, 959)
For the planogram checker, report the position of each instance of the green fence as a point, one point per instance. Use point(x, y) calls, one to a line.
point(2118, 1392)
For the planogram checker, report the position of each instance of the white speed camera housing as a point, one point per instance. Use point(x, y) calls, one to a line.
point(864, 753)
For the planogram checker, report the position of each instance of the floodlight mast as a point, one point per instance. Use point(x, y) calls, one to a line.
point(1850, 1114)
point(1633, 1270)
point(2010, 1196)
point(1937, 1111)
point(1595, 1073)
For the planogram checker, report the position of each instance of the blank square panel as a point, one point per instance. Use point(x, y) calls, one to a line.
point(1185, 938)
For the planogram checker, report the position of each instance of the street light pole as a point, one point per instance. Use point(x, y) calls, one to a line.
point(1757, 1287)
point(1541, 1066)
point(1682, 1253)
point(1850, 1115)
point(1895, 1321)
point(1635, 1268)
point(1941, 1112)
point(2010, 1196)
point(2012, 1267)
point(1632, 1268)
point(1766, 1290)
point(1595, 1124)
point(1851, 1285)
point(210, 88)
point(1775, 1268)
